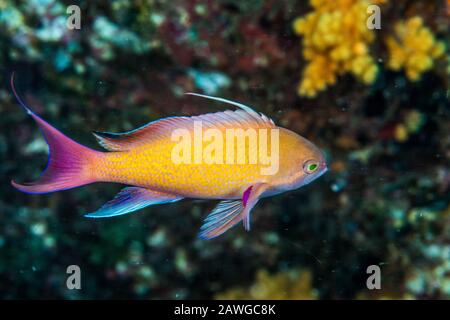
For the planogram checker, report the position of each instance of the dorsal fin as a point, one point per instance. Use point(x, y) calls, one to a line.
point(256, 115)
point(152, 130)
point(244, 118)
point(237, 104)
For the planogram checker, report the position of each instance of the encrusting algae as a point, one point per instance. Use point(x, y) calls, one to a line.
point(336, 40)
point(287, 285)
point(413, 48)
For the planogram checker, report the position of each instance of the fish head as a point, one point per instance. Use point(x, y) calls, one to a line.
point(301, 162)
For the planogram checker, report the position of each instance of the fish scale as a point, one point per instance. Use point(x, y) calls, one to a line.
point(152, 167)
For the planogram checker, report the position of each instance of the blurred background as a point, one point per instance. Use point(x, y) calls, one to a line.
point(376, 101)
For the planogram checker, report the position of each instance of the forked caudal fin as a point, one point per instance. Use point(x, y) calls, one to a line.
point(68, 162)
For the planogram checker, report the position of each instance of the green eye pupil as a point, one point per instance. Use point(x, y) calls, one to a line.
point(312, 167)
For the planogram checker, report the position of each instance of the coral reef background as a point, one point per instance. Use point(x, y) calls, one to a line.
point(377, 102)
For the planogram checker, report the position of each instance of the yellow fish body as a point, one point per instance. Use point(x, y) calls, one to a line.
point(160, 168)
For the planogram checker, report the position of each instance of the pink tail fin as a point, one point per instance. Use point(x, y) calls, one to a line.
point(68, 164)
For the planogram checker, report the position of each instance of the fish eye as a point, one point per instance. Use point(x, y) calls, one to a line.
point(310, 166)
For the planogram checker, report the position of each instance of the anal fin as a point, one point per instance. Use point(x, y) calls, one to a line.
point(131, 199)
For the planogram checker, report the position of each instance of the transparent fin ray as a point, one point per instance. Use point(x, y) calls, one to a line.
point(131, 199)
point(223, 217)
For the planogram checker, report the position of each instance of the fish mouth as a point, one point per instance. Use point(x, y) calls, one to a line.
point(323, 168)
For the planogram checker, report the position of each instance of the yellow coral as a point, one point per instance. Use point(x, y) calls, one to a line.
point(413, 48)
point(401, 133)
point(414, 121)
point(288, 285)
point(336, 40)
point(411, 124)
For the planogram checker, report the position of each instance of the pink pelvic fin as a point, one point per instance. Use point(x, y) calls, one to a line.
point(250, 198)
point(246, 195)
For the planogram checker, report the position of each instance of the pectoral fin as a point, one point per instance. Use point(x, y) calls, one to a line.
point(131, 199)
point(229, 212)
point(224, 216)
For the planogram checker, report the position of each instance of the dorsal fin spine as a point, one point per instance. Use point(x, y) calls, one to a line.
point(243, 118)
point(247, 109)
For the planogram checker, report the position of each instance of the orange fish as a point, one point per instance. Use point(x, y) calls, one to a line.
point(176, 157)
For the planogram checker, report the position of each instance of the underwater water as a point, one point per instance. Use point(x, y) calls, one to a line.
point(367, 82)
